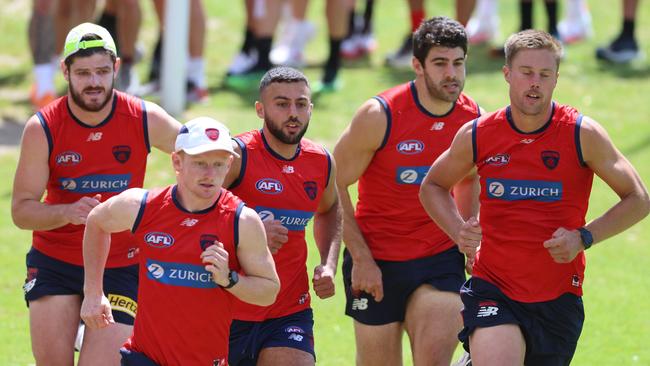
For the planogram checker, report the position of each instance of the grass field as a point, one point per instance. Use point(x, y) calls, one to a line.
point(617, 328)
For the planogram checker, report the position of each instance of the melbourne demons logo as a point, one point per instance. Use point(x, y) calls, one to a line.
point(207, 240)
point(122, 153)
point(311, 189)
point(410, 147)
point(212, 133)
point(159, 240)
point(68, 158)
point(269, 186)
point(550, 159)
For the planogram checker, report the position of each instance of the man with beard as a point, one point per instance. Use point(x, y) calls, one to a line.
point(536, 160)
point(288, 180)
point(82, 148)
point(400, 271)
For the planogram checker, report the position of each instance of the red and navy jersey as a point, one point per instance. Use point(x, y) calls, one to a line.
point(393, 222)
point(531, 184)
point(87, 160)
point(288, 190)
point(183, 316)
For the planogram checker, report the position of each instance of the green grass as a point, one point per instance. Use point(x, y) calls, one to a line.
point(617, 328)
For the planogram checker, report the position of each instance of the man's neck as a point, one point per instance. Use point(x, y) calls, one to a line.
point(435, 106)
point(91, 118)
point(530, 123)
point(287, 151)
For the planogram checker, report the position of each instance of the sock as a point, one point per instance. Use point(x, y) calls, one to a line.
point(417, 16)
point(350, 25)
point(249, 41)
point(44, 77)
point(526, 14)
point(551, 13)
point(628, 28)
point(367, 17)
point(154, 71)
point(264, 49)
point(196, 72)
point(333, 62)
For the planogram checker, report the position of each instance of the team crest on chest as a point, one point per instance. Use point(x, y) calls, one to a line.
point(122, 153)
point(207, 240)
point(550, 159)
point(311, 188)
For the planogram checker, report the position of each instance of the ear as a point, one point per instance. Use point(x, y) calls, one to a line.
point(64, 70)
point(116, 66)
point(417, 66)
point(176, 161)
point(506, 73)
point(259, 109)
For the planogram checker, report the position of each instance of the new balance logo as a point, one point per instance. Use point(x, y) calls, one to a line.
point(287, 169)
point(360, 304)
point(437, 126)
point(189, 222)
point(485, 311)
point(94, 136)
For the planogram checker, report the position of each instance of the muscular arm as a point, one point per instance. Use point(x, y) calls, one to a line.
point(117, 214)
point(162, 128)
point(30, 181)
point(450, 167)
point(353, 152)
point(327, 234)
point(613, 168)
point(261, 284)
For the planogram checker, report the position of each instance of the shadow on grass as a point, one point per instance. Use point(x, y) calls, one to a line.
point(634, 70)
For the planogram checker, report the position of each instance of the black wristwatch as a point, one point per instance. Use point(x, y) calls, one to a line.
point(233, 278)
point(587, 238)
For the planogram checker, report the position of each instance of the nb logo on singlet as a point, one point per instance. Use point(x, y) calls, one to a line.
point(437, 126)
point(485, 311)
point(94, 136)
point(360, 304)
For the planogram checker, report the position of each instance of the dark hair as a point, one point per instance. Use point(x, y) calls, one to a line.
point(89, 51)
point(532, 39)
point(282, 74)
point(438, 32)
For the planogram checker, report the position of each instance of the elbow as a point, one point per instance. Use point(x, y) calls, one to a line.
point(18, 219)
point(645, 204)
point(271, 293)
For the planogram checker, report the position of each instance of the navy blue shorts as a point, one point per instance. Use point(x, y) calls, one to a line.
point(551, 328)
point(48, 276)
point(444, 271)
point(248, 338)
point(132, 358)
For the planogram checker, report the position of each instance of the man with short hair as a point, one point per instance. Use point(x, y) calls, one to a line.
point(82, 149)
point(400, 271)
point(536, 159)
point(194, 238)
point(288, 180)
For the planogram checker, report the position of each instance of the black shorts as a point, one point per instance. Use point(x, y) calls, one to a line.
point(248, 338)
point(444, 271)
point(551, 328)
point(48, 276)
point(133, 358)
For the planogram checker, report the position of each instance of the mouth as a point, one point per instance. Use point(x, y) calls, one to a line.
point(293, 126)
point(451, 87)
point(94, 92)
point(533, 96)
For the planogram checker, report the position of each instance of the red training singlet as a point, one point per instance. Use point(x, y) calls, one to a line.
point(288, 190)
point(393, 222)
point(87, 160)
point(531, 184)
point(183, 316)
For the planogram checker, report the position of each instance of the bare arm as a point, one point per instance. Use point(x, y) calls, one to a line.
point(117, 214)
point(353, 152)
point(30, 181)
point(261, 284)
point(327, 234)
point(450, 167)
point(466, 193)
point(162, 128)
point(613, 168)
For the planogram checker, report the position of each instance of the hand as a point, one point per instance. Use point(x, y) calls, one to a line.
point(96, 312)
point(469, 237)
point(366, 276)
point(77, 212)
point(323, 281)
point(564, 245)
point(276, 235)
point(216, 259)
point(469, 265)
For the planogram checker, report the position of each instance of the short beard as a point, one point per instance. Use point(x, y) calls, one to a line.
point(284, 138)
point(78, 99)
point(438, 93)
